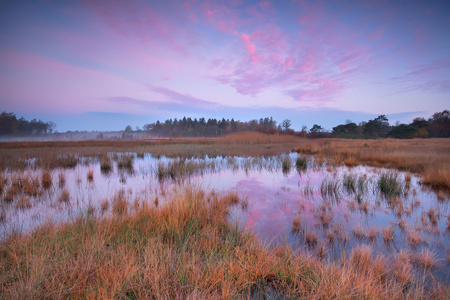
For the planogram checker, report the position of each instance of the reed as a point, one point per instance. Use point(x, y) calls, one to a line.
point(64, 196)
point(286, 164)
point(61, 179)
point(46, 180)
point(90, 176)
point(388, 234)
point(426, 258)
point(349, 182)
point(105, 163)
point(390, 185)
point(296, 223)
point(301, 163)
point(120, 204)
point(414, 238)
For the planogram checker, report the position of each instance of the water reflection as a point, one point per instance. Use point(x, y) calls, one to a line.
point(289, 199)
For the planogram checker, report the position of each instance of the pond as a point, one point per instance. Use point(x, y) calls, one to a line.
point(289, 199)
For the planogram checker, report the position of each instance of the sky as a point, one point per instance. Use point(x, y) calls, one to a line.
point(103, 65)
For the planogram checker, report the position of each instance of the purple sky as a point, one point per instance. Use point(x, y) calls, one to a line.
point(98, 65)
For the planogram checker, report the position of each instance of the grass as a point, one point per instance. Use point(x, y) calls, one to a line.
point(286, 164)
point(185, 248)
point(105, 163)
point(426, 258)
point(64, 196)
point(125, 162)
point(90, 175)
point(330, 188)
point(349, 182)
point(430, 158)
point(427, 157)
point(301, 163)
point(390, 185)
point(296, 223)
point(46, 180)
point(414, 237)
point(388, 234)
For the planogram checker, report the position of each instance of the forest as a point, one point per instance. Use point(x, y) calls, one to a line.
point(10, 125)
point(438, 125)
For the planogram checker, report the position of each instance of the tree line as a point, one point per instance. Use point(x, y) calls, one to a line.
point(10, 125)
point(436, 126)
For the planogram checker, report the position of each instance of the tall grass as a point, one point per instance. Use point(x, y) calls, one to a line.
point(301, 163)
point(286, 164)
point(185, 248)
point(390, 185)
point(330, 188)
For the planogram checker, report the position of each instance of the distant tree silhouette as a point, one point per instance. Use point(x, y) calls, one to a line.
point(10, 125)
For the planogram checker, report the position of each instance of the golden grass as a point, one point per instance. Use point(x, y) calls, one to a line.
point(431, 158)
point(185, 249)
point(388, 234)
point(414, 237)
point(296, 223)
point(46, 180)
point(428, 157)
point(426, 258)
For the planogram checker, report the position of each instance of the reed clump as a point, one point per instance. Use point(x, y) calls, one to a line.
point(105, 163)
point(301, 163)
point(46, 180)
point(125, 162)
point(390, 185)
point(64, 196)
point(286, 164)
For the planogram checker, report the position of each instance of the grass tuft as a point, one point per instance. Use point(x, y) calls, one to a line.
point(46, 180)
point(389, 185)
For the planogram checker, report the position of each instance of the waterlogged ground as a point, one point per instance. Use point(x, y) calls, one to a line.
point(322, 210)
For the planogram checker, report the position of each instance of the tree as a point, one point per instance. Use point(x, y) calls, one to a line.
point(286, 124)
point(377, 127)
point(316, 128)
point(128, 129)
point(439, 124)
point(403, 131)
point(347, 129)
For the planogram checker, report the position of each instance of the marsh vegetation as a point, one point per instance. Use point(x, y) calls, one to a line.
point(287, 218)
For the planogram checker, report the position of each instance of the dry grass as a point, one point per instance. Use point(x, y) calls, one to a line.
point(90, 175)
point(120, 203)
point(414, 237)
point(361, 258)
point(426, 258)
point(433, 215)
point(311, 238)
point(46, 180)
point(64, 196)
point(185, 249)
point(104, 205)
point(23, 203)
point(296, 223)
point(403, 268)
point(388, 234)
point(429, 157)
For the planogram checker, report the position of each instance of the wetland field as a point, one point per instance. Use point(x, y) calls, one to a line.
point(246, 215)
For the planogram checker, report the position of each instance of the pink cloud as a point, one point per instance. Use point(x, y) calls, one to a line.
point(53, 85)
point(249, 47)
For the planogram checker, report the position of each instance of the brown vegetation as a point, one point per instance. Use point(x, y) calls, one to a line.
point(184, 249)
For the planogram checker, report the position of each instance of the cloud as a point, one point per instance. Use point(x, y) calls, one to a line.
point(172, 101)
point(434, 76)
